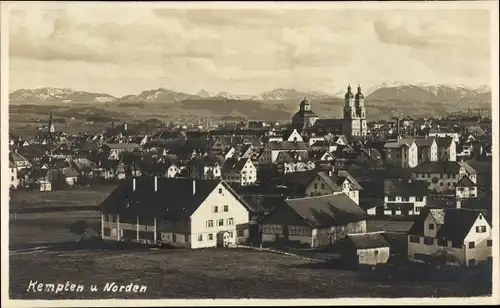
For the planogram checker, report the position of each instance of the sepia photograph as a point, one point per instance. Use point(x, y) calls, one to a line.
point(275, 151)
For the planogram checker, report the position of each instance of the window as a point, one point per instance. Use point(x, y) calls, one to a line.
point(240, 233)
point(454, 176)
point(106, 232)
point(419, 199)
point(186, 238)
point(226, 208)
point(405, 199)
point(220, 191)
point(376, 252)
point(472, 245)
point(428, 241)
point(489, 243)
point(229, 221)
point(391, 198)
point(221, 222)
point(315, 185)
point(441, 184)
point(216, 209)
point(200, 238)
point(231, 234)
point(12, 178)
point(174, 238)
point(431, 226)
point(414, 239)
point(210, 223)
point(322, 186)
point(442, 242)
point(210, 237)
point(480, 229)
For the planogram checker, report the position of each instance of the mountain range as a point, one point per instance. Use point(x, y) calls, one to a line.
point(387, 97)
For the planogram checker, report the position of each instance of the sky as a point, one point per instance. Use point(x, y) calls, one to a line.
point(125, 50)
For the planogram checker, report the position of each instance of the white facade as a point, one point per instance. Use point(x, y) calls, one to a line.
point(295, 137)
point(13, 180)
point(455, 136)
point(418, 203)
point(244, 177)
point(318, 187)
point(476, 246)
point(404, 156)
point(297, 166)
point(441, 182)
point(212, 224)
point(225, 212)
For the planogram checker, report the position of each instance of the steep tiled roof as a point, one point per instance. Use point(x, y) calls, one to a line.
point(465, 181)
point(368, 240)
point(292, 157)
point(444, 141)
point(405, 188)
point(424, 142)
point(452, 167)
point(453, 224)
point(145, 201)
point(234, 164)
point(122, 145)
point(329, 210)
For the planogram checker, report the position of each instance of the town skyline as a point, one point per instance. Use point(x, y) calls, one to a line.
point(244, 51)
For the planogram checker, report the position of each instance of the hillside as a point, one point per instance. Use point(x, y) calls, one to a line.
point(383, 101)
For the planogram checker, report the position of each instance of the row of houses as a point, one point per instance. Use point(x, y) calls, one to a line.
point(210, 213)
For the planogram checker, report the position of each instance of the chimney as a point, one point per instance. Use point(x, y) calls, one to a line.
point(156, 183)
point(194, 187)
point(133, 184)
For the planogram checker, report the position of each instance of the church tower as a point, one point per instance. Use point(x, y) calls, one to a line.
point(351, 119)
point(361, 111)
point(51, 126)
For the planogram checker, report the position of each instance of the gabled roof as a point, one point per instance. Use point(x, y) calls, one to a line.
point(234, 164)
point(326, 211)
point(287, 145)
point(453, 224)
point(14, 157)
point(368, 240)
point(443, 142)
point(292, 157)
point(122, 145)
point(465, 181)
point(405, 188)
point(173, 200)
point(424, 142)
point(452, 167)
point(395, 144)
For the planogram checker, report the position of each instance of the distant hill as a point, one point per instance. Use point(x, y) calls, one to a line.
point(382, 101)
point(57, 95)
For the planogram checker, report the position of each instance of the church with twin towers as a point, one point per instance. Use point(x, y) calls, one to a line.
point(352, 124)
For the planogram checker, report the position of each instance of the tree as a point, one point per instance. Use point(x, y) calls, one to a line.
point(79, 228)
point(444, 257)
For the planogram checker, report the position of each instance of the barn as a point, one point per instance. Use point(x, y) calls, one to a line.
point(365, 248)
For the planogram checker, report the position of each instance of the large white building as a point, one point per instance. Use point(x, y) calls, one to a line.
point(240, 171)
point(181, 212)
point(401, 152)
point(333, 183)
point(442, 177)
point(460, 236)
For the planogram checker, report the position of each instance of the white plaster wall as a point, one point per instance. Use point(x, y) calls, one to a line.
point(199, 218)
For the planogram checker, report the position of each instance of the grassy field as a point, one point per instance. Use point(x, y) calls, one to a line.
point(206, 273)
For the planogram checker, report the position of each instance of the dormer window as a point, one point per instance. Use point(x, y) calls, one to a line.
point(431, 226)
